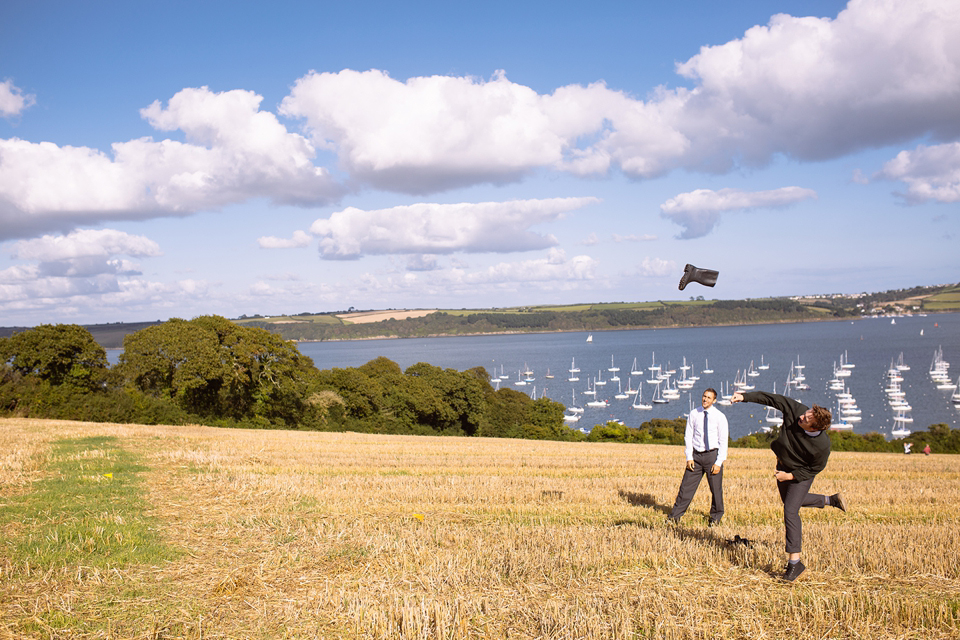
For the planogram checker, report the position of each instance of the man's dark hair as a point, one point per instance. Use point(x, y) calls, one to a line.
point(713, 391)
point(821, 417)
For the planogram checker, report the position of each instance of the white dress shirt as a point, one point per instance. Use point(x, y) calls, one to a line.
point(718, 430)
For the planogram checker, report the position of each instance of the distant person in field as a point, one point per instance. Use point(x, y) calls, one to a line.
point(906, 447)
point(705, 445)
point(926, 450)
point(802, 450)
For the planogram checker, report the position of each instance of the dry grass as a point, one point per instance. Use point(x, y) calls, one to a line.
point(362, 317)
point(292, 535)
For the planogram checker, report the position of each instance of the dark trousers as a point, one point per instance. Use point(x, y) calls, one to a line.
point(702, 464)
point(796, 494)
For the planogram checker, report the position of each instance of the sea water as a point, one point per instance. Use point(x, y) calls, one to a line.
point(871, 344)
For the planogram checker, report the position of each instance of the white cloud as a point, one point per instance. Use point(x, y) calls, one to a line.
point(815, 88)
point(299, 240)
point(498, 227)
point(634, 238)
point(699, 211)
point(234, 152)
point(84, 244)
point(79, 269)
point(422, 262)
point(553, 271)
point(591, 240)
point(13, 101)
point(812, 88)
point(429, 133)
point(931, 173)
point(656, 267)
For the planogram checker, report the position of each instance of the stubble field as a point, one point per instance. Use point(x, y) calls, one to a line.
point(126, 531)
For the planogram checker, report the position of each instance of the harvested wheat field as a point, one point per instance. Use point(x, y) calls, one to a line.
point(126, 531)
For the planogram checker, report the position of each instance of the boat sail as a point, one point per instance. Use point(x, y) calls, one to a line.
point(638, 399)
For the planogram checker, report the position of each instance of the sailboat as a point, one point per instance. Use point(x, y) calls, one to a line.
point(573, 371)
point(763, 366)
point(573, 408)
point(599, 381)
point(634, 371)
point(549, 375)
point(725, 396)
point(503, 376)
point(620, 395)
point(613, 369)
point(657, 398)
point(840, 423)
point(597, 403)
point(590, 338)
point(706, 367)
point(638, 400)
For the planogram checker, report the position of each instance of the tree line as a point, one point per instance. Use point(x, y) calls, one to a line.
point(212, 371)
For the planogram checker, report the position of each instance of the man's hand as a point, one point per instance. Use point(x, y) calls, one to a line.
point(737, 397)
point(690, 465)
point(715, 470)
point(783, 476)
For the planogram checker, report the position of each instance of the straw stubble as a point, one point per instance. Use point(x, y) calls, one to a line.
point(288, 534)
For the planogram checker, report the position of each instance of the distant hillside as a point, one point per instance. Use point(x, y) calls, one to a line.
point(108, 336)
point(695, 312)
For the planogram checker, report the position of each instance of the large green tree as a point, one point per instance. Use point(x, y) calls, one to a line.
point(213, 368)
point(57, 354)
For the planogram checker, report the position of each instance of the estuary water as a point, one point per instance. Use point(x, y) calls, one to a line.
point(870, 344)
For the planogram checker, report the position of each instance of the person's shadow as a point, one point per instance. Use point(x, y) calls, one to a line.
point(739, 550)
point(644, 500)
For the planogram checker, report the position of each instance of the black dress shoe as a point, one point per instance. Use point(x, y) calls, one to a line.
point(706, 277)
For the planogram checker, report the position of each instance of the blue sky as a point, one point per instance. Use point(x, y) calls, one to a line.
point(178, 159)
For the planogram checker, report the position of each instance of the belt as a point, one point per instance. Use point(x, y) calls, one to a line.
point(707, 451)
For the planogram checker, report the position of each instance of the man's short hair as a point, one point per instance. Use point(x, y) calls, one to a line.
point(711, 390)
point(821, 417)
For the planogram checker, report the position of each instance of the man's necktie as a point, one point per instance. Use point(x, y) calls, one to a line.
point(706, 436)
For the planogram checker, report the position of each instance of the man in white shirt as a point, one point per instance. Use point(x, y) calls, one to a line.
point(705, 444)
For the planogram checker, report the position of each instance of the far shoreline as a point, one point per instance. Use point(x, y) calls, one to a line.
point(604, 330)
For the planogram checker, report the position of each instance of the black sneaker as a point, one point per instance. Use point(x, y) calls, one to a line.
point(793, 571)
point(837, 501)
point(714, 523)
point(673, 521)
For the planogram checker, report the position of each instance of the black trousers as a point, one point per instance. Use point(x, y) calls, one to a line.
point(796, 494)
point(702, 464)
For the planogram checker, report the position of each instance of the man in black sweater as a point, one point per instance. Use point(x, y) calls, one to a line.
point(802, 451)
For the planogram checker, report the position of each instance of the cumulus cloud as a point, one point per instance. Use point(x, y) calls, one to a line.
point(13, 101)
point(817, 88)
point(810, 88)
point(930, 172)
point(233, 152)
point(85, 243)
point(299, 240)
point(656, 267)
point(554, 271)
point(646, 237)
point(699, 211)
point(82, 264)
point(497, 227)
point(428, 133)
point(422, 262)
